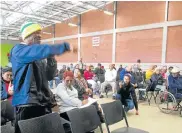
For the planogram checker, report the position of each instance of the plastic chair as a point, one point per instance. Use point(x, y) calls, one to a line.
point(113, 113)
point(50, 123)
point(84, 120)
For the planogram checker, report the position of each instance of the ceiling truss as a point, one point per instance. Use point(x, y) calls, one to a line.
point(15, 13)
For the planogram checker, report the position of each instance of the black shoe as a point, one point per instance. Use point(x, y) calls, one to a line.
point(114, 97)
point(101, 96)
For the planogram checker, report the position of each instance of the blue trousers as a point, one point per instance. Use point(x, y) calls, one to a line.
point(130, 104)
point(57, 81)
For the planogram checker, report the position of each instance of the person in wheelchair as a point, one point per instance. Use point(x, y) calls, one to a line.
point(175, 83)
point(156, 80)
point(126, 93)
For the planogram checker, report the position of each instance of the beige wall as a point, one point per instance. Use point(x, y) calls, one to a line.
point(145, 45)
point(130, 46)
point(102, 53)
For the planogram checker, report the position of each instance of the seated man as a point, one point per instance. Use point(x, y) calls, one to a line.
point(99, 72)
point(175, 83)
point(118, 72)
point(127, 95)
point(128, 70)
point(110, 79)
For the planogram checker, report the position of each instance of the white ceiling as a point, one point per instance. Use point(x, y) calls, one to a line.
point(15, 13)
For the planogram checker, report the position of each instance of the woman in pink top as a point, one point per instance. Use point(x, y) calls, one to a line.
point(89, 75)
point(163, 72)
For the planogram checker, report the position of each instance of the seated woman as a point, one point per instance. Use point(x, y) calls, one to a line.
point(89, 76)
point(67, 95)
point(164, 72)
point(156, 79)
point(81, 85)
point(6, 86)
point(175, 83)
point(126, 93)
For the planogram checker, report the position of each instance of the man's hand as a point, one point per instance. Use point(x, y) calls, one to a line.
point(135, 85)
point(84, 101)
point(137, 112)
point(120, 85)
point(10, 89)
point(89, 91)
point(73, 48)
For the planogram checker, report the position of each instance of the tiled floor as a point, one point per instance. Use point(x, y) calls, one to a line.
point(150, 119)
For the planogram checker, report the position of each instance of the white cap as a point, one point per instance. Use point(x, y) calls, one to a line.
point(175, 70)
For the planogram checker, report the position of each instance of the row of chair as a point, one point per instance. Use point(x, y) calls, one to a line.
point(81, 121)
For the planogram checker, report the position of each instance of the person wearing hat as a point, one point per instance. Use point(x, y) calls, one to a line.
point(156, 79)
point(33, 65)
point(175, 81)
point(6, 84)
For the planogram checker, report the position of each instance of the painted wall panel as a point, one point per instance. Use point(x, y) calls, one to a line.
point(48, 29)
point(101, 53)
point(63, 29)
point(174, 45)
point(145, 45)
point(139, 13)
point(175, 10)
point(96, 20)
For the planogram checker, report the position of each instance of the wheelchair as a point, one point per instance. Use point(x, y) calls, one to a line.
point(168, 102)
point(147, 93)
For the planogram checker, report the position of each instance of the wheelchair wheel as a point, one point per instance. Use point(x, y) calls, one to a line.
point(166, 102)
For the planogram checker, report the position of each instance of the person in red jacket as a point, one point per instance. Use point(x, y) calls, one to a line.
point(88, 74)
point(92, 79)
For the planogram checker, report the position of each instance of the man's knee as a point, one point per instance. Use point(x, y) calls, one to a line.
point(130, 104)
point(113, 84)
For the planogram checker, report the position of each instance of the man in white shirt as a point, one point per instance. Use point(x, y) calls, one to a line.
point(110, 79)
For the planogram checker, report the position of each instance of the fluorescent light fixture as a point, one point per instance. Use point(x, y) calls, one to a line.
point(77, 2)
point(108, 13)
point(73, 25)
point(48, 33)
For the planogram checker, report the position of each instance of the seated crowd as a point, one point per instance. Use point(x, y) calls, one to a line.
point(74, 85)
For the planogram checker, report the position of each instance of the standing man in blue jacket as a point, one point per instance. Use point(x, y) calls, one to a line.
point(33, 65)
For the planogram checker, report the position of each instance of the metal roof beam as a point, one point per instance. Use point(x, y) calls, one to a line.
point(8, 27)
point(65, 10)
point(31, 16)
point(99, 8)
